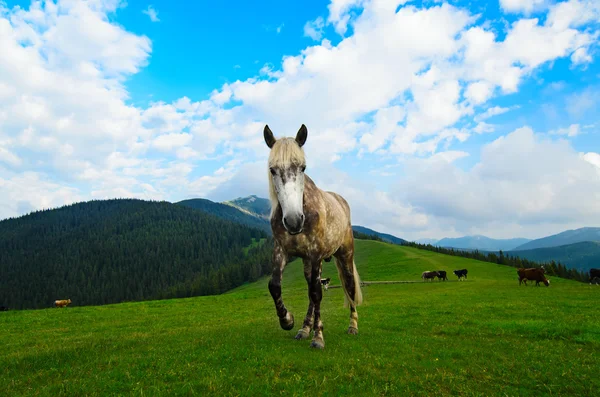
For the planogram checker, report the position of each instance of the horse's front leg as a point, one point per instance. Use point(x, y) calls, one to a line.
point(286, 319)
point(304, 332)
point(316, 294)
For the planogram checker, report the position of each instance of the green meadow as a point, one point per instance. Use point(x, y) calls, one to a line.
point(487, 336)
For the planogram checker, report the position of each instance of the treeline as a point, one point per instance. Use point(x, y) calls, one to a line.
point(552, 268)
point(110, 251)
point(364, 236)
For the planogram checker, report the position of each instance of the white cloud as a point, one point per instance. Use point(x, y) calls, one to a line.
point(490, 112)
point(581, 56)
point(314, 29)
point(570, 131)
point(524, 6)
point(152, 13)
point(521, 179)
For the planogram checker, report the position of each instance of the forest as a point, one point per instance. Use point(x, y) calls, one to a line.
point(110, 251)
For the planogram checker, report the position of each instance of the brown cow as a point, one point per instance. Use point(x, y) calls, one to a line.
point(532, 274)
point(62, 303)
point(429, 275)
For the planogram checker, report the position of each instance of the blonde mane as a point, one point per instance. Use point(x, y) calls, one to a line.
point(284, 153)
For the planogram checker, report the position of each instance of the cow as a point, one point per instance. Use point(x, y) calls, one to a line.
point(594, 276)
point(428, 275)
point(532, 274)
point(442, 275)
point(325, 282)
point(62, 303)
point(3, 309)
point(460, 273)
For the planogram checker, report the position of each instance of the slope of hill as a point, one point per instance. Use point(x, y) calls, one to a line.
point(228, 212)
point(481, 243)
point(581, 256)
point(252, 205)
point(384, 236)
point(427, 338)
point(564, 238)
point(114, 250)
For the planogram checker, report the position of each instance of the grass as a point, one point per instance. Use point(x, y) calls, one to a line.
point(483, 337)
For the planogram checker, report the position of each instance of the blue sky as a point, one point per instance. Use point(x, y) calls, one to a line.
point(434, 119)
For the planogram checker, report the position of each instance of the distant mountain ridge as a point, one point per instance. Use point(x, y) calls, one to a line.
point(581, 256)
point(565, 238)
point(483, 243)
point(228, 212)
point(252, 205)
point(384, 236)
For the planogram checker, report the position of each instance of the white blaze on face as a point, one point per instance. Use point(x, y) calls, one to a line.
point(289, 186)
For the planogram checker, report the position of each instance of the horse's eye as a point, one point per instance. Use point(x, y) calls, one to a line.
point(272, 171)
point(303, 168)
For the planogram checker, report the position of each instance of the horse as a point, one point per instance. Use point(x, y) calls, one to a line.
point(311, 224)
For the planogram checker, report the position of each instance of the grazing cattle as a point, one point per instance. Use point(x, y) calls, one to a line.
point(3, 309)
point(594, 276)
point(62, 303)
point(532, 274)
point(312, 224)
point(428, 275)
point(460, 273)
point(442, 275)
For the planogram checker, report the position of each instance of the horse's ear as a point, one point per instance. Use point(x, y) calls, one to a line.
point(301, 135)
point(269, 138)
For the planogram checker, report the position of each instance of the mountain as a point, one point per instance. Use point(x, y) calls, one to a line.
point(581, 256)
point(384, 236)
point(228, 212)
point(432, 241)
point(253, 205)
point(564, 238)
point(481, 243)
point(110, 251)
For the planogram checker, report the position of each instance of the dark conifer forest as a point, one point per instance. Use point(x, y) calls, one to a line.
point(110, 251)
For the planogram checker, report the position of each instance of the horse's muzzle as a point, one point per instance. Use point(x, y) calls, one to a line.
point(294, 224)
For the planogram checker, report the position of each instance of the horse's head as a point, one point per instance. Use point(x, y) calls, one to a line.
point(286, 177)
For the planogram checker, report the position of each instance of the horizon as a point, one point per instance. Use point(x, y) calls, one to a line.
point(456, 118)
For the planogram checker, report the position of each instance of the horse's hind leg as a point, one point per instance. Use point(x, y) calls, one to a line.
point(286, 320)
point(304, 332)
point(351, 283)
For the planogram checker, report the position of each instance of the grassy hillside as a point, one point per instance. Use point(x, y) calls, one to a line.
point(485, 337)
point(564, 238)
point(582, 256)
point(228, 212)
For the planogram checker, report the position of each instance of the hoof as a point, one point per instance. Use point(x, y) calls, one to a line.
point(287, 322)
point(302, 335)
point(352, 331)
point(317, 344)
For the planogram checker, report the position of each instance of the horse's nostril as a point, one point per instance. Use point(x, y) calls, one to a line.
point(302, 217)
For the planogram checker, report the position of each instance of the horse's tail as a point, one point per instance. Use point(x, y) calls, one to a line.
point(358, 298)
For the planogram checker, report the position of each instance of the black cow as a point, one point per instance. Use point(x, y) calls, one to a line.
point(594, 276)
point(442, 275)
point(461, 273)
point(3, 309)
point(325, 282)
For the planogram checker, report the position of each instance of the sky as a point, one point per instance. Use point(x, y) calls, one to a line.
point(433, 119)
